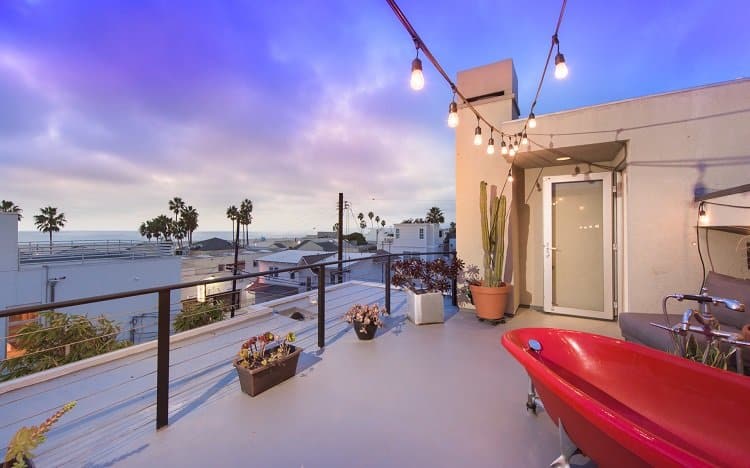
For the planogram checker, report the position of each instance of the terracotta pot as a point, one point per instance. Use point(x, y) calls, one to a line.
point(255, 381)
point(490, 302)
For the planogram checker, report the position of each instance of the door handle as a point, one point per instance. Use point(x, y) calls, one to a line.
point(548, 250)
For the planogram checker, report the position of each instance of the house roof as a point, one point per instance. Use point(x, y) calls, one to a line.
point(291, 256)
point(274, 289)
point(213, 243)
point(325, 245)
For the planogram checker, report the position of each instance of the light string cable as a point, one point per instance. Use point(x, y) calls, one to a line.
point(420, 44)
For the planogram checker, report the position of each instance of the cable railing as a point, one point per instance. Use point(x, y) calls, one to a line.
point(175, 364)
point(30, 253)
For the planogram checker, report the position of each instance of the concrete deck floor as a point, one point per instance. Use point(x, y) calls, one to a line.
point(431, 395)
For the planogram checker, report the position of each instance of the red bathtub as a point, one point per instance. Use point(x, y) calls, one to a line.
point(624, 404)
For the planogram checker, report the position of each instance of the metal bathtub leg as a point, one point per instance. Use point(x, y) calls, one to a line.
point(532, 400)
point(567, 448)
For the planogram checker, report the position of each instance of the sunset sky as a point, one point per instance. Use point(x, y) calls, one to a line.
point(109, 108)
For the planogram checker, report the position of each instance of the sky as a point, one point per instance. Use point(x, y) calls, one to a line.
point(109, 108)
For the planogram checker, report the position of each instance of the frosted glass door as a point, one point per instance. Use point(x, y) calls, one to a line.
point(578, 245)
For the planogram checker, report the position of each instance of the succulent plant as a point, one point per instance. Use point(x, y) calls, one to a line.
point(27, 439)
point(493, 235)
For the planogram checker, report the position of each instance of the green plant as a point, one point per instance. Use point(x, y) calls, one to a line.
point(254, 353)
point(59, 339)
point(197, 314)
point(493, 235)
point(711, 355)
point(26, 439)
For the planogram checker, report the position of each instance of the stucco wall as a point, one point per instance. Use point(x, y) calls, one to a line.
point(675, 143)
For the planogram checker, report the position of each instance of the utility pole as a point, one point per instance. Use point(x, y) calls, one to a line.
point(235, 296)
point(341, 237)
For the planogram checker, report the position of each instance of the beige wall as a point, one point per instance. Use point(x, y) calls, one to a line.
point(674, 141)
point(727, 252)
point(473, 164)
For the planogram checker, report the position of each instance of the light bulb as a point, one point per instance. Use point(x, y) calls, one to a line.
point(503, 148)
point(515, 145)
point(512, 151)
point(417, 77)
point(478, 136)
point(453, 115)
point(524, 139)
point(510, 175)
point(532, 120)
point(561, 69)
point(491, 146)
point(702, 216)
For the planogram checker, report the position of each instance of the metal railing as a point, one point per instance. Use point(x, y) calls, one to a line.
point(164, 308)
point(30, 253)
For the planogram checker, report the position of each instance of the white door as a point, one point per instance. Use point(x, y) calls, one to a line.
point(577, 213)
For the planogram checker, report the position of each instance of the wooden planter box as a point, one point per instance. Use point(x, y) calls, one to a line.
point(256, 381)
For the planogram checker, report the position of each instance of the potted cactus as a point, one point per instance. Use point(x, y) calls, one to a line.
point(491, 296)
point(26, 439)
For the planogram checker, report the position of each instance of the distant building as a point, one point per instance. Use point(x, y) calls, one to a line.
point(414, 238)
point(35, 273)
point(212, 244)
point(317, 246)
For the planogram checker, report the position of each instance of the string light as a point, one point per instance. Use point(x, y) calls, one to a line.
point(515, 145)
point(478, 134)
point(453, 114)
point(491, 144)
point(417, 77)
point(524, 139)
point(511, 151)
point(532, 120)
point(510, 175)
point(503, 148)
point(702, 215)
point(561, 68)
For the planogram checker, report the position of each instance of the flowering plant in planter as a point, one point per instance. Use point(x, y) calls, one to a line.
point(420, 276)
point(253, 352)
point(364, 315)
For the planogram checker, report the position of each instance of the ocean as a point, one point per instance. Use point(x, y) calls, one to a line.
point(66, 236)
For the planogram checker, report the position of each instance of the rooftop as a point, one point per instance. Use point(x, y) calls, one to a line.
point(419, 383)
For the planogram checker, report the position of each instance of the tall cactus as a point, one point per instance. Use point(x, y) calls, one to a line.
point(493, 235)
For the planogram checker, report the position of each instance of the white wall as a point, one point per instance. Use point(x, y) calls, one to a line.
point(675, 142)
point(8, 241)
point(408, 238)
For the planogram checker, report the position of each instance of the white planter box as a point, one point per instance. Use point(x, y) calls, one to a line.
point(425, 308)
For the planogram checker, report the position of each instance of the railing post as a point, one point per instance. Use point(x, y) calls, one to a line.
point(162, 361)
point(321, 306)
point(454, 286)
point(388, 284)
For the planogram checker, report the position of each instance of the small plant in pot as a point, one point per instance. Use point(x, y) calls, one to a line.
point(425, 283)
point(365, 319)
point(266, 360)
point(27, 439)
point(491, 296)
point(467, 278)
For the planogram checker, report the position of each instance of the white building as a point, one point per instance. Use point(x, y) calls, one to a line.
point(414, 238)
point(362, 268)
point(35, 274)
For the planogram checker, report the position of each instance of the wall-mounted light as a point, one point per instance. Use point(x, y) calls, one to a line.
point(702, 215)
point(562, 158)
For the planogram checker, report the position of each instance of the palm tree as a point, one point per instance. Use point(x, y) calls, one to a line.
point(233, 213)
point(49, 221)
point(382, 222)
point(7, 206)
point(336, 227)
point(176, 205)
point(143, 230)
point(370, 215)
point(435, 216)
point(190, 220)
point(246, 217)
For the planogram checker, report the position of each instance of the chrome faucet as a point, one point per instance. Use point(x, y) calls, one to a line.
point(708, 325)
